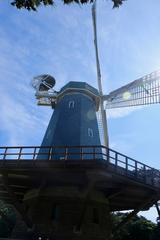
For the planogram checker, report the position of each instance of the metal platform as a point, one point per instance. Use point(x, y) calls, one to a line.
point(125, 182)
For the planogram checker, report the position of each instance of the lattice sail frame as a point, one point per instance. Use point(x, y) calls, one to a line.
point(100, 127)
point(143, 91)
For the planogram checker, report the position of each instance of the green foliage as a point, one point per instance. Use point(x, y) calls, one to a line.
point(34, 4)
point(7, 219)
point(156, 233)
point(138, 228)
point(31, 4)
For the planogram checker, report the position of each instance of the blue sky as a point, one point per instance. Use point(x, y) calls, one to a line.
point(59, 40)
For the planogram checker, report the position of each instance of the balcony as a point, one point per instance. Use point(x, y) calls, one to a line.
point(36, 157)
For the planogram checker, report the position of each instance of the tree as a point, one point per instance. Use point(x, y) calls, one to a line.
point(137, 228)
point(7, 219)
point(34, 4)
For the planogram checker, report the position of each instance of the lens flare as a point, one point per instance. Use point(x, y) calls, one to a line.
point(90, 115)
point(126, 95)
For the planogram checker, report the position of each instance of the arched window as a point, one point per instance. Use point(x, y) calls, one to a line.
point(71, 104)
point(90, 132)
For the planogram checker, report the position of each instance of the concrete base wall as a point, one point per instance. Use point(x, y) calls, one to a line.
point(57, 213)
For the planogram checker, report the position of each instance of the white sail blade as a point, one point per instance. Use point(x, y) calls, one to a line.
point(143, 91)
point(102, 110)
point(100, 127)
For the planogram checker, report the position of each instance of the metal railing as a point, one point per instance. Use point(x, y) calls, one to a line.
point(116, 162)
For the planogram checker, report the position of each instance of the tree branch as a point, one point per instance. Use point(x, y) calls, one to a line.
point(34, 4)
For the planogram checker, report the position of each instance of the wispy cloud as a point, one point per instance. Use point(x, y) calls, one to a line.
point(20, 119)
point(21, 122)
point(122, 112)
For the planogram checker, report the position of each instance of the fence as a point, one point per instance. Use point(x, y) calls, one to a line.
point(116, 162)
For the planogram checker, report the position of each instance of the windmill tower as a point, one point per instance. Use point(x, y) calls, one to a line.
point(74, 121)
point(67, 187)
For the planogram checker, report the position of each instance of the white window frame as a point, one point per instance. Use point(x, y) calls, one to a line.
point(71, 104)
point(90, 132)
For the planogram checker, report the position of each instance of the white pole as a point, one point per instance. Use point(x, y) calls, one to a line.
point(102, 111)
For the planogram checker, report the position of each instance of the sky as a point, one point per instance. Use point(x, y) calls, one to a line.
point(58, 40)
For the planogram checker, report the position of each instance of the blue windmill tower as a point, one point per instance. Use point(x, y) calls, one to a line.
point(74, 120)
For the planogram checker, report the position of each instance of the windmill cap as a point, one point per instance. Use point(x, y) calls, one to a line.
point(81, 87)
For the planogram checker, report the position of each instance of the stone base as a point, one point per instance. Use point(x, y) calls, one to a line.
point(67, 213)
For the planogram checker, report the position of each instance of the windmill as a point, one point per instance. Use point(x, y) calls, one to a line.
point(67, 187)
point(76, 106)
point(142, 91)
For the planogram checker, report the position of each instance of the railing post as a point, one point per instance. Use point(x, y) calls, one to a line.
point(126, 162)
point(107, 153)
point(136, 170)
point(50, 153)
point(81, 153)
point(34, 153)
point(144, 169)
point(19, 155)
point(94, 153)
point(66, 154)
point(116, 160)
point(4, 156)
point(152, 174)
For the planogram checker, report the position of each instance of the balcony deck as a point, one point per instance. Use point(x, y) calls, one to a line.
point(125, 182)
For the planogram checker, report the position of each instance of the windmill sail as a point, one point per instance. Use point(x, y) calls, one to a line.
point(102, 113)
point(143, 91)
point(100, 127)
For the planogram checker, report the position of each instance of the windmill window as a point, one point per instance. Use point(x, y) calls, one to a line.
point(90, 132)
point(71, 104)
